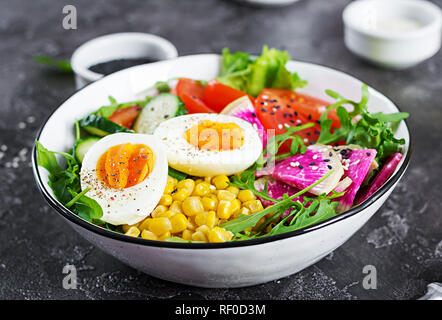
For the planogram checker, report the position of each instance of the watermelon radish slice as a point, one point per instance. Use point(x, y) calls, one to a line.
point(302, 170)
point(276, 189)
point(243, 108)
point(356, 164)
point(383, 175)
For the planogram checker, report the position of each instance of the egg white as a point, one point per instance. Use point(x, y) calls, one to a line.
point(128, 205)
point(184, 157)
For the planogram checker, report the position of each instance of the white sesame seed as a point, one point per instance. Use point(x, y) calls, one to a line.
point(314, 167)
point(280, 126)
point(294, 164)
point(15, 164)
point(305, 140)
point(287, 125)
point(4, 147)
point(21, 125)
point(315, 156)
point(356, 162)
point(30, 119)
point(7, 164)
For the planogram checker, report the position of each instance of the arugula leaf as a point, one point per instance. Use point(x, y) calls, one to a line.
point(65, 183)
point(242, 222)
point(372, 130)
point(62, 65)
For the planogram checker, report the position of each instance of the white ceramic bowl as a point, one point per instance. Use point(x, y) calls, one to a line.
point(376, 30)
point(125, 45)
point(232, 264)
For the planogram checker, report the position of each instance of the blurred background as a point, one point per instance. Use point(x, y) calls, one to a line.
point(403, 240)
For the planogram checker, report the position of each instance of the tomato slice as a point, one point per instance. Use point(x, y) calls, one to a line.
point(275, 113)
point(191, 93)
point(217, 95)
point(125, 117)
point(309, 106)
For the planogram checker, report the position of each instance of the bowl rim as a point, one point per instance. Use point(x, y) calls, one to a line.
point(432, 26)
point(72, 217)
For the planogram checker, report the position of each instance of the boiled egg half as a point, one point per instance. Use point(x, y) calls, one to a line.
point(206, 144)
point(126, 174)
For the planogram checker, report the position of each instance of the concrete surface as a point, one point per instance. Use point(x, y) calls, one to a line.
point(403, 241)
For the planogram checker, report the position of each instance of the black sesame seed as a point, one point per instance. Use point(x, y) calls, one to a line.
point(368, 154)
point(317, 132)
point(330, 154)
point(310, 117)
point(272, 113)
point(308, 133)
point(296, 113)
point(262, 102)
point(285, 115)
point(326, 160)
point(289, 106)
point(300, 167)
point(254, 114)
point(277, 107)
point(318, 122)
point(292, 121)
point(263, 110)
point(329, 166)
point(312, 164)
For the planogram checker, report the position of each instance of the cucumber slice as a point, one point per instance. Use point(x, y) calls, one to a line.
point(99, 126)
point(82, 146)
point(162, 107)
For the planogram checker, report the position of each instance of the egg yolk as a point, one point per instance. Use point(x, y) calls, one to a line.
point(125, 165)
point(215, 136)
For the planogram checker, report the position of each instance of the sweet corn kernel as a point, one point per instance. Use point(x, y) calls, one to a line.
point(218, 234)
point(172, 180)
point(201, 189)
point(221, 182)
point(211, 219)
point(160, 225)
point(146, 234)
point(176, 206)
point(187, 184)
point(199, 236)
point(204, 229)
point(236, 206)
point(208, 179)
point(179, 223)
point(253, 205)
point(167, 214)
point(192, 206)
point(197, 181)
point(187, 235)
point(209, 203)
point(166, 200)
point(133, 232)
point(170, 186)
point(200, 218)
point(225, 195)
point(191, 224)
point(180, 194)
point(159, 209)
point(244, 211)
point(233, 190)
point(144, 224)
point(246, 195)
point(224, 210)
point(126, 227)
point(164, 236)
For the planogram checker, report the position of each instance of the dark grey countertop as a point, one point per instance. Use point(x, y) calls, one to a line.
point(403, 240)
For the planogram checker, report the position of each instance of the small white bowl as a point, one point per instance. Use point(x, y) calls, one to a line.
point(126, 45)
point(396, 34)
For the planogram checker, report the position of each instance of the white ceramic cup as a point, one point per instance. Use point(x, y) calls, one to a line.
point(404, 47)
point(126, 45)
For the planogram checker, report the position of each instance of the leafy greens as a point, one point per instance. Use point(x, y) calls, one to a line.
point(239, 70)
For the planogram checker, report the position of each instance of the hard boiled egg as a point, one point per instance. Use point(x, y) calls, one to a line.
point(205, 144)
point(127, 174)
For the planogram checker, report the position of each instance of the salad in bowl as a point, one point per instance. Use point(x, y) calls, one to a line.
point(242, 156)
